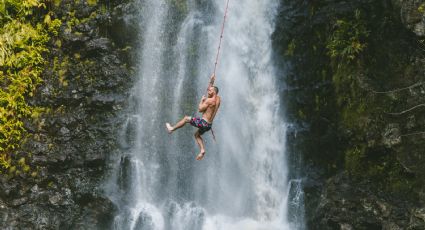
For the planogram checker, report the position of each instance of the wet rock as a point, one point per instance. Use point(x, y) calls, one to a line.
point(346, 227)
point(55, 199)
point(18, 202)
point(98, 45)
point(35, 189)
point(420, 213)
point(106, 100)
point(391, 135)
point(145, 222)
point(384, 208)
point(345, 205)
point(64, 131)
point(390, 226)
point(413, 16)
point(98, 212)
point(124, 27)
point(417, 220)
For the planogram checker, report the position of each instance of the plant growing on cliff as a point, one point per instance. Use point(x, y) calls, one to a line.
point(21, 64)
point(421, 8)
point(348, 39)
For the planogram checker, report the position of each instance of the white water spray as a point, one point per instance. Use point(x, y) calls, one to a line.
point(242, 182)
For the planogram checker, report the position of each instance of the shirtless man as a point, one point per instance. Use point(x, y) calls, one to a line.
point(208, 106)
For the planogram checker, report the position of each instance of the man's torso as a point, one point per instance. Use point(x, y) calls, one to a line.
point(209, 113)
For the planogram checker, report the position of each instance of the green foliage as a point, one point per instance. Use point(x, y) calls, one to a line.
point(347, 41)
point(344, 47)
point(92, 2)
point(57, 2)
point(421, 8)
point(53, 25)
point(13, 9)
point(21, 65)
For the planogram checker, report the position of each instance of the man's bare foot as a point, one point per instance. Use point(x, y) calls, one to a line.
point(169, 127)
point(200, 155)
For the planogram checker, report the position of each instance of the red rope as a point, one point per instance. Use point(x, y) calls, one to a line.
point(221, 36)
point(218, 52)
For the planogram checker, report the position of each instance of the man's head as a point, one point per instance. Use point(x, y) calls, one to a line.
point(212, 91)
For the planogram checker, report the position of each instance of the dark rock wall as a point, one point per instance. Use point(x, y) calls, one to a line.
point(86, 82)
point(355, 97)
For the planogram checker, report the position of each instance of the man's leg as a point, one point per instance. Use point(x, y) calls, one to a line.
point(200, 142)
point(181, 123)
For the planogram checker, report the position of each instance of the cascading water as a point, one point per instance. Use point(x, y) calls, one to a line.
point(242, 182)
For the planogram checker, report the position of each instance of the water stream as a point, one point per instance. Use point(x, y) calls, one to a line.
point(242, 183)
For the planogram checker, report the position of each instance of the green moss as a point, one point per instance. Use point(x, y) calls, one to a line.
point(421, 8)
point(291, 48)
point(301, 114)
point(103, 9)
point(57, 2)
point(58, 43)
point(92, 2)
point(93, 15)
point(354, 158)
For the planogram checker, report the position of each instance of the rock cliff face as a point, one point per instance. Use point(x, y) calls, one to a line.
point(85, 86)
point(355, 94)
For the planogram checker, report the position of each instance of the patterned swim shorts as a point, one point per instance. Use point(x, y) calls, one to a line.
point(200, 123)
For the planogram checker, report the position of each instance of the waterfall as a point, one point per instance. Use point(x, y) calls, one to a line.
point(242, 183)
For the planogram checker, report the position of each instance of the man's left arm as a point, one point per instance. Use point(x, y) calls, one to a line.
point(203, 105)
